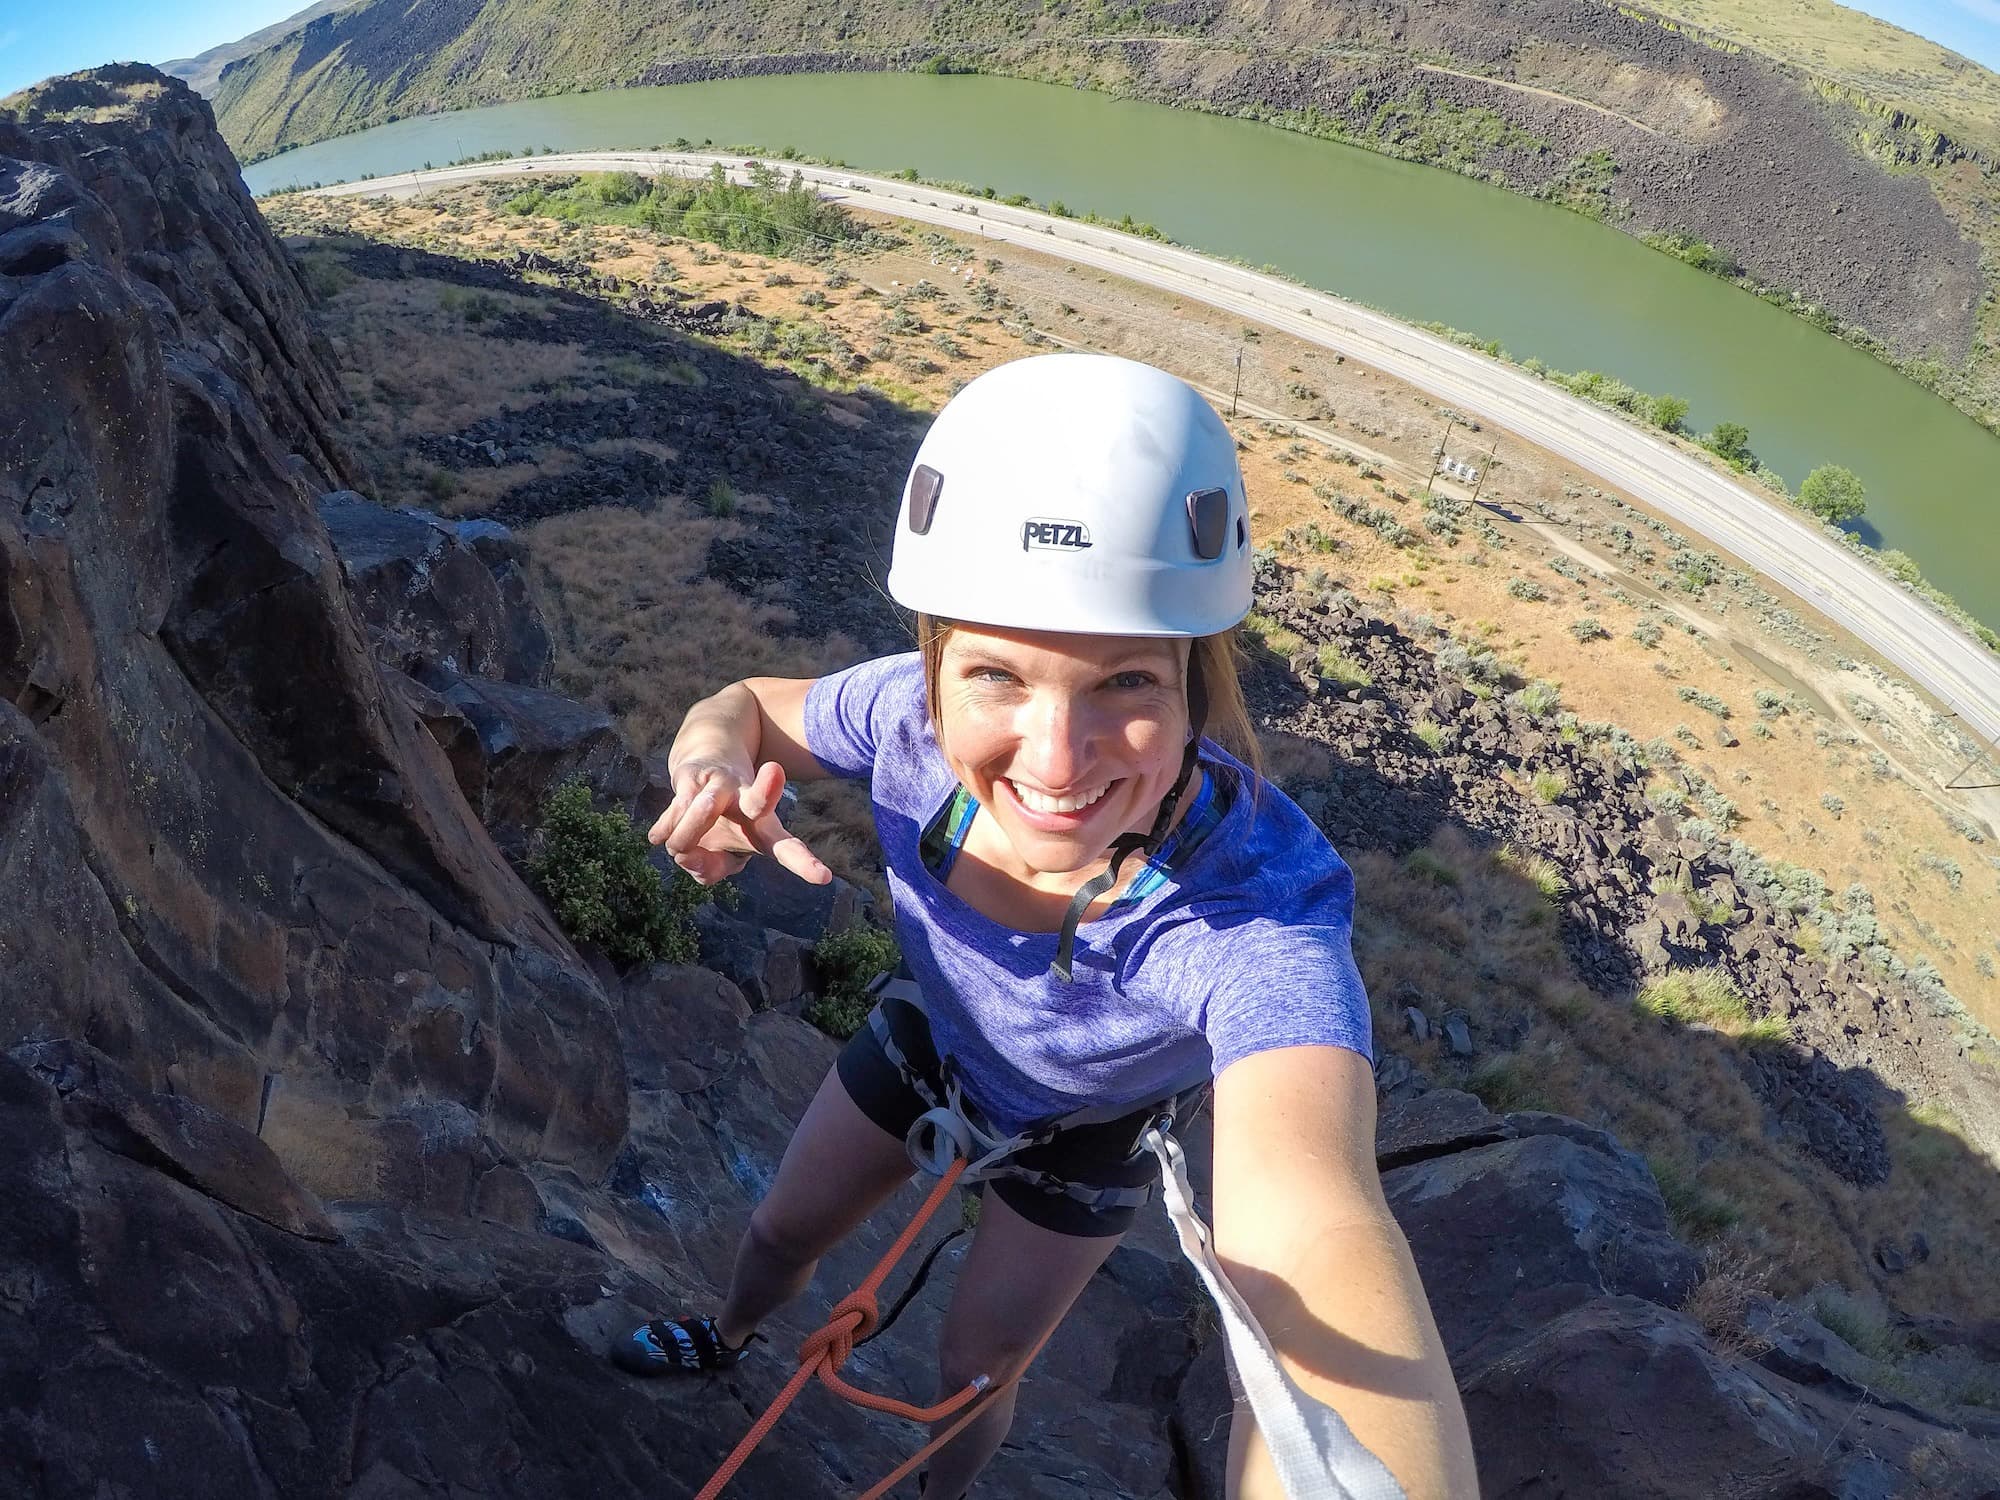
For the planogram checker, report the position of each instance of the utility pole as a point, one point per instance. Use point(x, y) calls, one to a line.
point(1239, 378)
point(1480, 483)
point(1437, 458)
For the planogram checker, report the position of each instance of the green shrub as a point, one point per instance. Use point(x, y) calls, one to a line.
point(592, 869)
point(1861, 1327)
point(1833, 494)
point(1589, 629)
point(1668, 412)
point(1900, 563)
point(1274, 637)
point(1646, 633)
point(1706, 996)
point(1703, 700)
point(1538, 699)
point(1526, 588)
point(846, 962)
point(1504, 1082)
point(1431, 733)
point(721, 499)
point(1537, 869)
point(1730, 442)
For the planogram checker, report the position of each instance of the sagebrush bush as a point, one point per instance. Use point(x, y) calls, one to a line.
point(592, 869)
point(847, 961)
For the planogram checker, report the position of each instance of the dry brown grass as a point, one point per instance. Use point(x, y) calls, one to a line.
point(639, 630)
point(1731, 1282)
point(1482, 942)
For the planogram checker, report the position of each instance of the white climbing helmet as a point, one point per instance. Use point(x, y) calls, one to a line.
point(1076, 492)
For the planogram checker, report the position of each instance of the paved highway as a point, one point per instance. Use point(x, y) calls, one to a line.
point(1765, 534)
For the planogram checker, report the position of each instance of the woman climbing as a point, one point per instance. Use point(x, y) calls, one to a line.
point(1074, 542)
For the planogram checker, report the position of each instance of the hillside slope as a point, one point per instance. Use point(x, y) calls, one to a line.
point(1850, 48)
point(1606, 110)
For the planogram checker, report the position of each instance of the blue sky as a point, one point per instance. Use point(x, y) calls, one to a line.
point(1968, 26)
point(69, 34)
point(41, 37)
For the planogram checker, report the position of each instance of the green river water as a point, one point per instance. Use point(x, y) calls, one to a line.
point(1420, 243)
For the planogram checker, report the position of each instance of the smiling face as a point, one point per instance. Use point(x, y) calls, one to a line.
point(1067, 740)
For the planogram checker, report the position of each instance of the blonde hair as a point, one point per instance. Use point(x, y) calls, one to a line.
point(1218, 656)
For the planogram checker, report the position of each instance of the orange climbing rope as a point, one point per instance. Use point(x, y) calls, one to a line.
point(826, 1349)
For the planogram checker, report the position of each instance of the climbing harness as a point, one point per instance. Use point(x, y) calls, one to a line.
point(953, 1129)
point(1315, 1453)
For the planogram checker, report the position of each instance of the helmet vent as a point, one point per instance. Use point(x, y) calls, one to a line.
point(926, 484)
point(1208, 522)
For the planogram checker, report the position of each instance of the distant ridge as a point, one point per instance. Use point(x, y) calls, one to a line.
point(203, 73)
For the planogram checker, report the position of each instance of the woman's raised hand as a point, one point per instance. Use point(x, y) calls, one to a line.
point(717, 821)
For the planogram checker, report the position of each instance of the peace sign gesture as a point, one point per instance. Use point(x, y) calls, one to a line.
point(717, 820)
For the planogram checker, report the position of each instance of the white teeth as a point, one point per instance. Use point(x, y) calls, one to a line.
point(1036, 801)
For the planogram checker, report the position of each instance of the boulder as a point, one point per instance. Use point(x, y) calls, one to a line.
point(769, 895)
point(434, 596)
point(177, 1136)
point(1618, 1396)
point(1396, 1077)
point(771, 967)
point(530, 741)
point(1508, 1233)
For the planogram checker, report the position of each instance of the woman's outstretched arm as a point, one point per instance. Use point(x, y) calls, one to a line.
point(1304, 1232)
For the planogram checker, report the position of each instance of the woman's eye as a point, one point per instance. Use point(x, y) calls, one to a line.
point(1132, 681)
point(992, 675)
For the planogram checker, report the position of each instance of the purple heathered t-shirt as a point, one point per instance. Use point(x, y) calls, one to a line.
point(1245, 948)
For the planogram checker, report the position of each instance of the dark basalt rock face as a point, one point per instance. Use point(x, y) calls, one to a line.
point(323, 1172)
point(231, 856)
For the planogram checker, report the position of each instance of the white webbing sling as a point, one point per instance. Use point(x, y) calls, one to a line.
point(1316, 1454)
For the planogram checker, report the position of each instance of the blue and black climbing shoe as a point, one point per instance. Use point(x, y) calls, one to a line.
point(676, 1346)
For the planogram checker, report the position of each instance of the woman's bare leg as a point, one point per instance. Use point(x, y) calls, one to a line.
point(1017, 1282)
point(838, 1169)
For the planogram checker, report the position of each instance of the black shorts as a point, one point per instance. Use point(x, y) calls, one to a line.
point(1105, 1155)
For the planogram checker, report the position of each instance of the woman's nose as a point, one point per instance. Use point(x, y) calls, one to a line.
point(1057, 742)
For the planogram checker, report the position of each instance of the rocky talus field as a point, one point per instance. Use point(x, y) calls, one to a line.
point(332, 1162)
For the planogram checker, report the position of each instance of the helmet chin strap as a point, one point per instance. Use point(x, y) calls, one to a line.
point(1127, 843)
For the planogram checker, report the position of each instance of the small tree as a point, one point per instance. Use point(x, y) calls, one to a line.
point(1670, 411)
point(846, 962)
point(1833, 494)
point(1730, 442)
point(592, 869)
